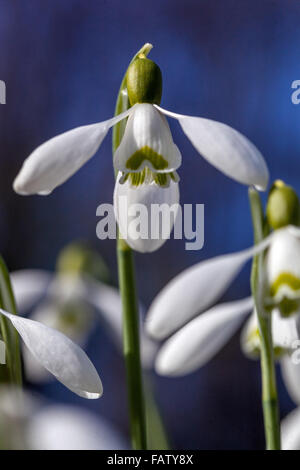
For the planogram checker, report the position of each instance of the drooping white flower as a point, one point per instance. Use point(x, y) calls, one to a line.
point(59, 355)
point(195, 290)
point(146, 156)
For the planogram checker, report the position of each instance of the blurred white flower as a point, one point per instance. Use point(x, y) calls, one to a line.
point(196, 289)
point(28, 422)
point(146, 159)
point(61, 427)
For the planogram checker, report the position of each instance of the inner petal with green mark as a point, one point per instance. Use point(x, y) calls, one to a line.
point(286, 288)
point(146, 154)
point(286, 279)
point(146, 176)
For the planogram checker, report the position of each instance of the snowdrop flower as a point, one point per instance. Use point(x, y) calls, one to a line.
point(70, 301)
point(147, 159)
point(59, 355)
point(199, 287)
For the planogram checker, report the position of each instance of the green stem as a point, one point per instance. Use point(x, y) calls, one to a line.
point(132, 346)
point(130, 304)
point(9, 333)
point(268, 373)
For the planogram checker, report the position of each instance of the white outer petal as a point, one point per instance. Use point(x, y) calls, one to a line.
point(291, 377)
point(147, 127)
point(290, 431)
point(48, 313)
point(29, 285)
point(195, 289)
point(225, 148)
point(198, 341)
point(71, 428)
point(285, 331)
point(146, 194)
point(56, 160)
point(60, 356)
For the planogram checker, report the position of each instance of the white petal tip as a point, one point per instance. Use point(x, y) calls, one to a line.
point(18, 187)
point(154, 330)
point(92, 395)
point(164, 367)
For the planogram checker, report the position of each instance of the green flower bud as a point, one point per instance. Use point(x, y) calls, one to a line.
point(144, 81)
point(283, 206)
point(77, 258)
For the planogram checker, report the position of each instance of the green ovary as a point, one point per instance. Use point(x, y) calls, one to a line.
point(157, 161)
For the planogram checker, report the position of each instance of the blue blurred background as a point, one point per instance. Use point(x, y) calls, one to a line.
point(229, 60)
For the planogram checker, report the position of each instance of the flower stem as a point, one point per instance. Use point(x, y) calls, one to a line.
point(130, 303)
point(132, 346)
point(9, 333)
point(268, 373)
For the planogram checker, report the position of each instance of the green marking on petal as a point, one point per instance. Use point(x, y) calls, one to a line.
point(287, 304)
point(146, 153)
point(287, 279)
point(146, 176)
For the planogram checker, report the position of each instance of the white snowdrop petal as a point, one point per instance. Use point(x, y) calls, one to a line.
point(60, 356)
point(290, 369)
point(147, 132)
point(76, 325)
point(71, 428)
point(195, 289)
point(285, 331)
point(134, 204)
point(290, 431)
point(198, 341)
point(283, 264)
point(225, 148)
point(56, 160)
point(29, 285)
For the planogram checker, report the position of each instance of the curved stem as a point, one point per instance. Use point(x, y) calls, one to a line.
point(130, 303)
point(269, 387)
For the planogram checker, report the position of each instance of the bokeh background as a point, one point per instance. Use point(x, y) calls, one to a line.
point(229, 60)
